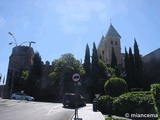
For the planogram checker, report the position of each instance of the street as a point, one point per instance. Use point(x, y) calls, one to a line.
point(28, 110)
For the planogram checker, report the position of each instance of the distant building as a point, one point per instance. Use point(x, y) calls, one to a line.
point(154, 54)
point(111, 39)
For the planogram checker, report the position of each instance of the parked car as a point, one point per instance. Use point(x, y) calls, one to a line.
point(21, 96)
point(69, 99)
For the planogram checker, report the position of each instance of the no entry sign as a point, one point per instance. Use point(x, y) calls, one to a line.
point(76, 77)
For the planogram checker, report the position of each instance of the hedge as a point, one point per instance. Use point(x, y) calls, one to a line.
point(134, 102)
point(103, 104)
point(155, 90)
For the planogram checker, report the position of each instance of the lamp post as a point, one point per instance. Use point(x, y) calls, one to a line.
point(109, 90)
point(13, 38)
point(30, 42)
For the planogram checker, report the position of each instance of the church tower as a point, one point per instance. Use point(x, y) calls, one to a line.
point(111, 39)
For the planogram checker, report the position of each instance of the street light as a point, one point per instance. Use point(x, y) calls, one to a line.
point(12, 43)
point(30, 42)
point(13, 38)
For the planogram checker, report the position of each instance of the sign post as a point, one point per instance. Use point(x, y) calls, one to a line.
point(76, 78)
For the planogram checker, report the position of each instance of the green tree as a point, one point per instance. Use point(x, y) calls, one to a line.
point(127, 69)
point(63, 69)
point(102, 75)
point(95, 75)
point(87, 64)
point(34, 82)
point(131, 67)
point(37, 66)
point(113, 59)
point(138, 66)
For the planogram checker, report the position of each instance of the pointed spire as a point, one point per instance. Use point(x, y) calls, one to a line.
point(101, 43)
point(112, 32)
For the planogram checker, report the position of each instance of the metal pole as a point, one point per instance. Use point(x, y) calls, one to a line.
point(76, 105)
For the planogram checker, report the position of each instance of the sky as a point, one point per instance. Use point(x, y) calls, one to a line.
point(66, 26)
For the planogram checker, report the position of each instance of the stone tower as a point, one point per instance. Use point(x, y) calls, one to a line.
point(111, 39)
point(21, 58)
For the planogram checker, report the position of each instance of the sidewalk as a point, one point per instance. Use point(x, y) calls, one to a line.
point(87, 113)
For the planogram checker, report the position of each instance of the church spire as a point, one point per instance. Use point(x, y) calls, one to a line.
point(112, 32)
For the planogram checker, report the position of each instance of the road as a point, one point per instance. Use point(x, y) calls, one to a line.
point(27, 110)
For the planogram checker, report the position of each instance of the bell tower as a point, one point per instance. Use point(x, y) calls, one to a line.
point(111, 39)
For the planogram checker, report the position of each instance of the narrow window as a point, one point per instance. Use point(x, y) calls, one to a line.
point(116, 43)
point(111, 42)
point(103, 52)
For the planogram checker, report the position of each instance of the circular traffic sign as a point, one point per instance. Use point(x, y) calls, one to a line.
point(76, 77)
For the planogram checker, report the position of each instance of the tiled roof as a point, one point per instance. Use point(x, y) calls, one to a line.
point(101, 44)
point(112, 32)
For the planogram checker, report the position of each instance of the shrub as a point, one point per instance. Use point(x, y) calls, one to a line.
point(134, 102)
point(155, 90)
point(116, 87)
point(103, 104)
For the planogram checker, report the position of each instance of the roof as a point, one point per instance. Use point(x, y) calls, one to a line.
point(153, 54)
point(112, 32)
point(101, 43)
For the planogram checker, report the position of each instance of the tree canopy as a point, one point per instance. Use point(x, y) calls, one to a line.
point(64, 68)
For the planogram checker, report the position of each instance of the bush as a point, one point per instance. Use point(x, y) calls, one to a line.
point(116, 87)
point(134, 102)
point(155, 90)
point(103, 104)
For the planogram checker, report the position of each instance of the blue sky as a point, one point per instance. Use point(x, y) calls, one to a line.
point(66, 26)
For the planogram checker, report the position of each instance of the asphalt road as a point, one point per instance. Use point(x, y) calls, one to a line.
point(27, 110)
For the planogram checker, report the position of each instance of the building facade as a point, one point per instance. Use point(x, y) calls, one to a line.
point(112, 39)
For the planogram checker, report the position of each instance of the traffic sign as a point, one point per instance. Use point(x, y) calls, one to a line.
point(76, 77)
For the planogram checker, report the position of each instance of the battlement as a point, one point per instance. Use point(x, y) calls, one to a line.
point(22, 51)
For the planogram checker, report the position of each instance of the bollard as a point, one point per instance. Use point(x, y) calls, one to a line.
point(94, 106)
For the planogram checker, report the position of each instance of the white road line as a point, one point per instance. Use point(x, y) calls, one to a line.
point(53, 109)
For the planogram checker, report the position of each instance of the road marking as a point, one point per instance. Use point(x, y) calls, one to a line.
point(53, 109)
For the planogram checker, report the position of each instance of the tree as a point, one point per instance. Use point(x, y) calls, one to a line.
point(102, 75)
point(35, 76)
point(95, 75)
point(37, 66)
point(63, 69)
point(87, 64)
point(113, 59)
point(131, 67)
point(138, 66)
